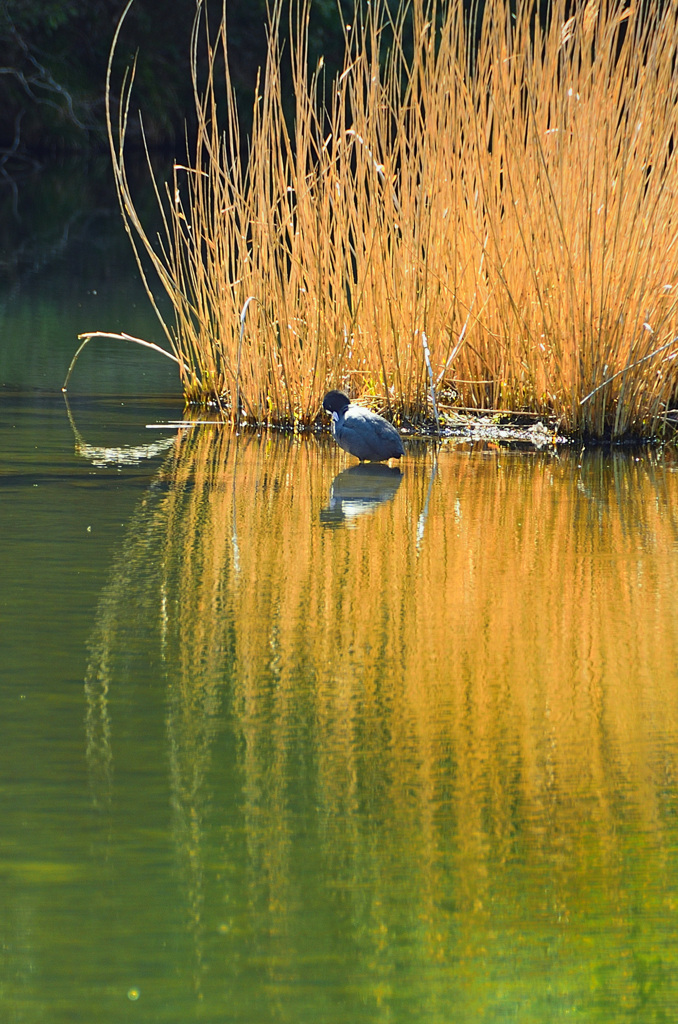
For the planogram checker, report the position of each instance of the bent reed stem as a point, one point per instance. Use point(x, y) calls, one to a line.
point(86, 338)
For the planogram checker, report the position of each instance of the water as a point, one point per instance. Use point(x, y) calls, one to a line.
point(282, 742)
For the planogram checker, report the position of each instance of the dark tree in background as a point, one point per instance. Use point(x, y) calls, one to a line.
point(55, 175)
point(53, 56)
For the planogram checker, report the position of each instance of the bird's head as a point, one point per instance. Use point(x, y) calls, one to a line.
point(336, 402)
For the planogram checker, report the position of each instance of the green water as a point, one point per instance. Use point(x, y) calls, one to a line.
point(285, 743)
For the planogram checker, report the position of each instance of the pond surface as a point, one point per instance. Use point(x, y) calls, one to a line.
point(287, 740)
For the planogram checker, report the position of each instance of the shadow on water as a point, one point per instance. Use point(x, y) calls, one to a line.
point(359, 490)
point(412, 772)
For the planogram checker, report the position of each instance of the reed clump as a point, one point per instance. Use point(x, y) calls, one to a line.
point(503, 186)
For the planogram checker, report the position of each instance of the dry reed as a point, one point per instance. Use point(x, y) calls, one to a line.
point(513, 197)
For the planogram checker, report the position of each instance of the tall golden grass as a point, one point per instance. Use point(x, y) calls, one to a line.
point(513, 197)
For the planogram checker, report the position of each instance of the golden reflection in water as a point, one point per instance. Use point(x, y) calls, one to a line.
point(497, 677)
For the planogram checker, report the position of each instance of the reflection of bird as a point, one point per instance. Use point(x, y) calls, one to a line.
point(360, 432)
point(360, 489)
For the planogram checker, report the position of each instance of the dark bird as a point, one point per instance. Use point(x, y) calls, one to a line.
point(360, 432)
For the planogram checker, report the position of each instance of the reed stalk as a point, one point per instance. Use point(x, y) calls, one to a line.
point(512, 195)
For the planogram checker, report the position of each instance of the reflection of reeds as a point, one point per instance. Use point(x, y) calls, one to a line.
point(513, 201)
point(514, 668)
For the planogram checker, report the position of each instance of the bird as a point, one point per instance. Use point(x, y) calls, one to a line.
point(360, 432)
